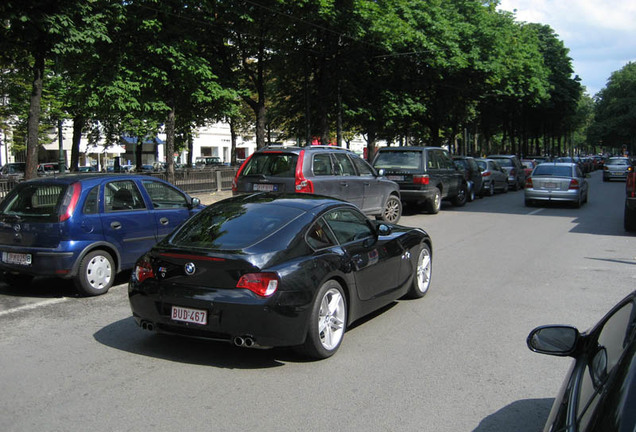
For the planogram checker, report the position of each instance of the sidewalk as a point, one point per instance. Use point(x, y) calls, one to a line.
point(208, 198)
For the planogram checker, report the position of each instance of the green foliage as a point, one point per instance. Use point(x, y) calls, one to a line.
point(615, 112)
point(408, 71)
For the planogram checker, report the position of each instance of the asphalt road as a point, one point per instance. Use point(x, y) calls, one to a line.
point(455, 360)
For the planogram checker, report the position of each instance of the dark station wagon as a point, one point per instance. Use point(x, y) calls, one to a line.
point(86, 227)
point(323, 170)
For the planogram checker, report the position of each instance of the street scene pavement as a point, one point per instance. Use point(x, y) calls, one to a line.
point(455, 360)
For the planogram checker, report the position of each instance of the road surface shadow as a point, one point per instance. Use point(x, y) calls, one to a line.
point(527, 415)
point(50, 287)
point(125, 335)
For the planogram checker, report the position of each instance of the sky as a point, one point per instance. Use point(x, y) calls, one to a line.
point(601, 34)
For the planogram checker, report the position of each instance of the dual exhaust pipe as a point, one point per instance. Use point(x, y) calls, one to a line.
point(147, 325)
point(244, 341)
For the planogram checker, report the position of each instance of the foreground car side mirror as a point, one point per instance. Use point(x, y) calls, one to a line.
point(555, 340)
point(381, 172)
point(384, 229)
point(196, 202)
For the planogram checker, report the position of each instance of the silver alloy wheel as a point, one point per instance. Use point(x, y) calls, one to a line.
point(331, 319)
point(423, 271)
point(437, 201)
point(99, 272)
point(392, 210)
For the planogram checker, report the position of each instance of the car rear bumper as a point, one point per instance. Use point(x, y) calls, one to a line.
point(416, 196)
point(277, 321)
point(554, 195)
point(44, 262)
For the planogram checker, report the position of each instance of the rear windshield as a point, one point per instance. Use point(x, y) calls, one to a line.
point(552, 170)
point(399, 160)
point(504, 161)
point(271, 164)
point(618, 162)
point(232, 226)
point(34, 200)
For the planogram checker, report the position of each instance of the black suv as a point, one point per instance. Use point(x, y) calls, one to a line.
point(426, 175)
point(323, 170)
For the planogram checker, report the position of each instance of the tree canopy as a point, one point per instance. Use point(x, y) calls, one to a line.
point(406, 71)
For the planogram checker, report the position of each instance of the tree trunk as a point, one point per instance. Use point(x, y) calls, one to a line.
point(232, 143)
point(170, 121)
point(78, 127)
point(33, 121)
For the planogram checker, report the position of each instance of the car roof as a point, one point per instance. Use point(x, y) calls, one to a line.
point(409, 148)
point(88, 177)
point(305, 202)
point(296, 149)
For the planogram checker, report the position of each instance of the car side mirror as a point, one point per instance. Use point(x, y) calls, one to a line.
point(384, 230)
point(555, 340)
point(196, 202)
point(381, 172)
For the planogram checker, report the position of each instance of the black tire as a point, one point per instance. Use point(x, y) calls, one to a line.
point(462, 196)
point(96, 273)
point(327, 322)
point(472, 195)
point(529, 203)
point(491, 189)
point(434, 205)
point(17, 280)
point(422, 275)
point(629, 220)
point(392, 210)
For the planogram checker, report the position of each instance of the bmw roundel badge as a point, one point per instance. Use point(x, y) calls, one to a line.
point(190, 268)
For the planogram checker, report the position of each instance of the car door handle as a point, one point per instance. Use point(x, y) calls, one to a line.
point(164, 221)
point(345, 184)
point(115, 225)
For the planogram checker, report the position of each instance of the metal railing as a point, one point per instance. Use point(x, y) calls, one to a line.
point(190, 181)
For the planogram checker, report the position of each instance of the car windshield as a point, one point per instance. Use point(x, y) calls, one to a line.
point(618, 162)
point(233, 225)
point(399, 160)
point(553, 170)
point(271, 164)
point(39, 200)
point(482, 165)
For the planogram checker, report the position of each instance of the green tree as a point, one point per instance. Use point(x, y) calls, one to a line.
point(614, 124)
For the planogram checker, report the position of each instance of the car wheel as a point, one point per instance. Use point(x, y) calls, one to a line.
point(629, 220)
point(422, 275)
point(96, 273)
point(471, 194)
point(327, 322)
point(17, 279)
point(392, 210)
point(435, 204)
point(491, 189)
point(461, 197)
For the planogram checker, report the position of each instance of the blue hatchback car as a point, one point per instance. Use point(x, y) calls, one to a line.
point(86, 227)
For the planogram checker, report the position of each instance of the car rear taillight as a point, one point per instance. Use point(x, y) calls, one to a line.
point(574, 184)
point(302, 184)
point(70, 201)
point(143, 270)
point(421, 179)
point(529, 183)
point(486, 174)
point(630, 185)
point(262, 284)
point(238, 173)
